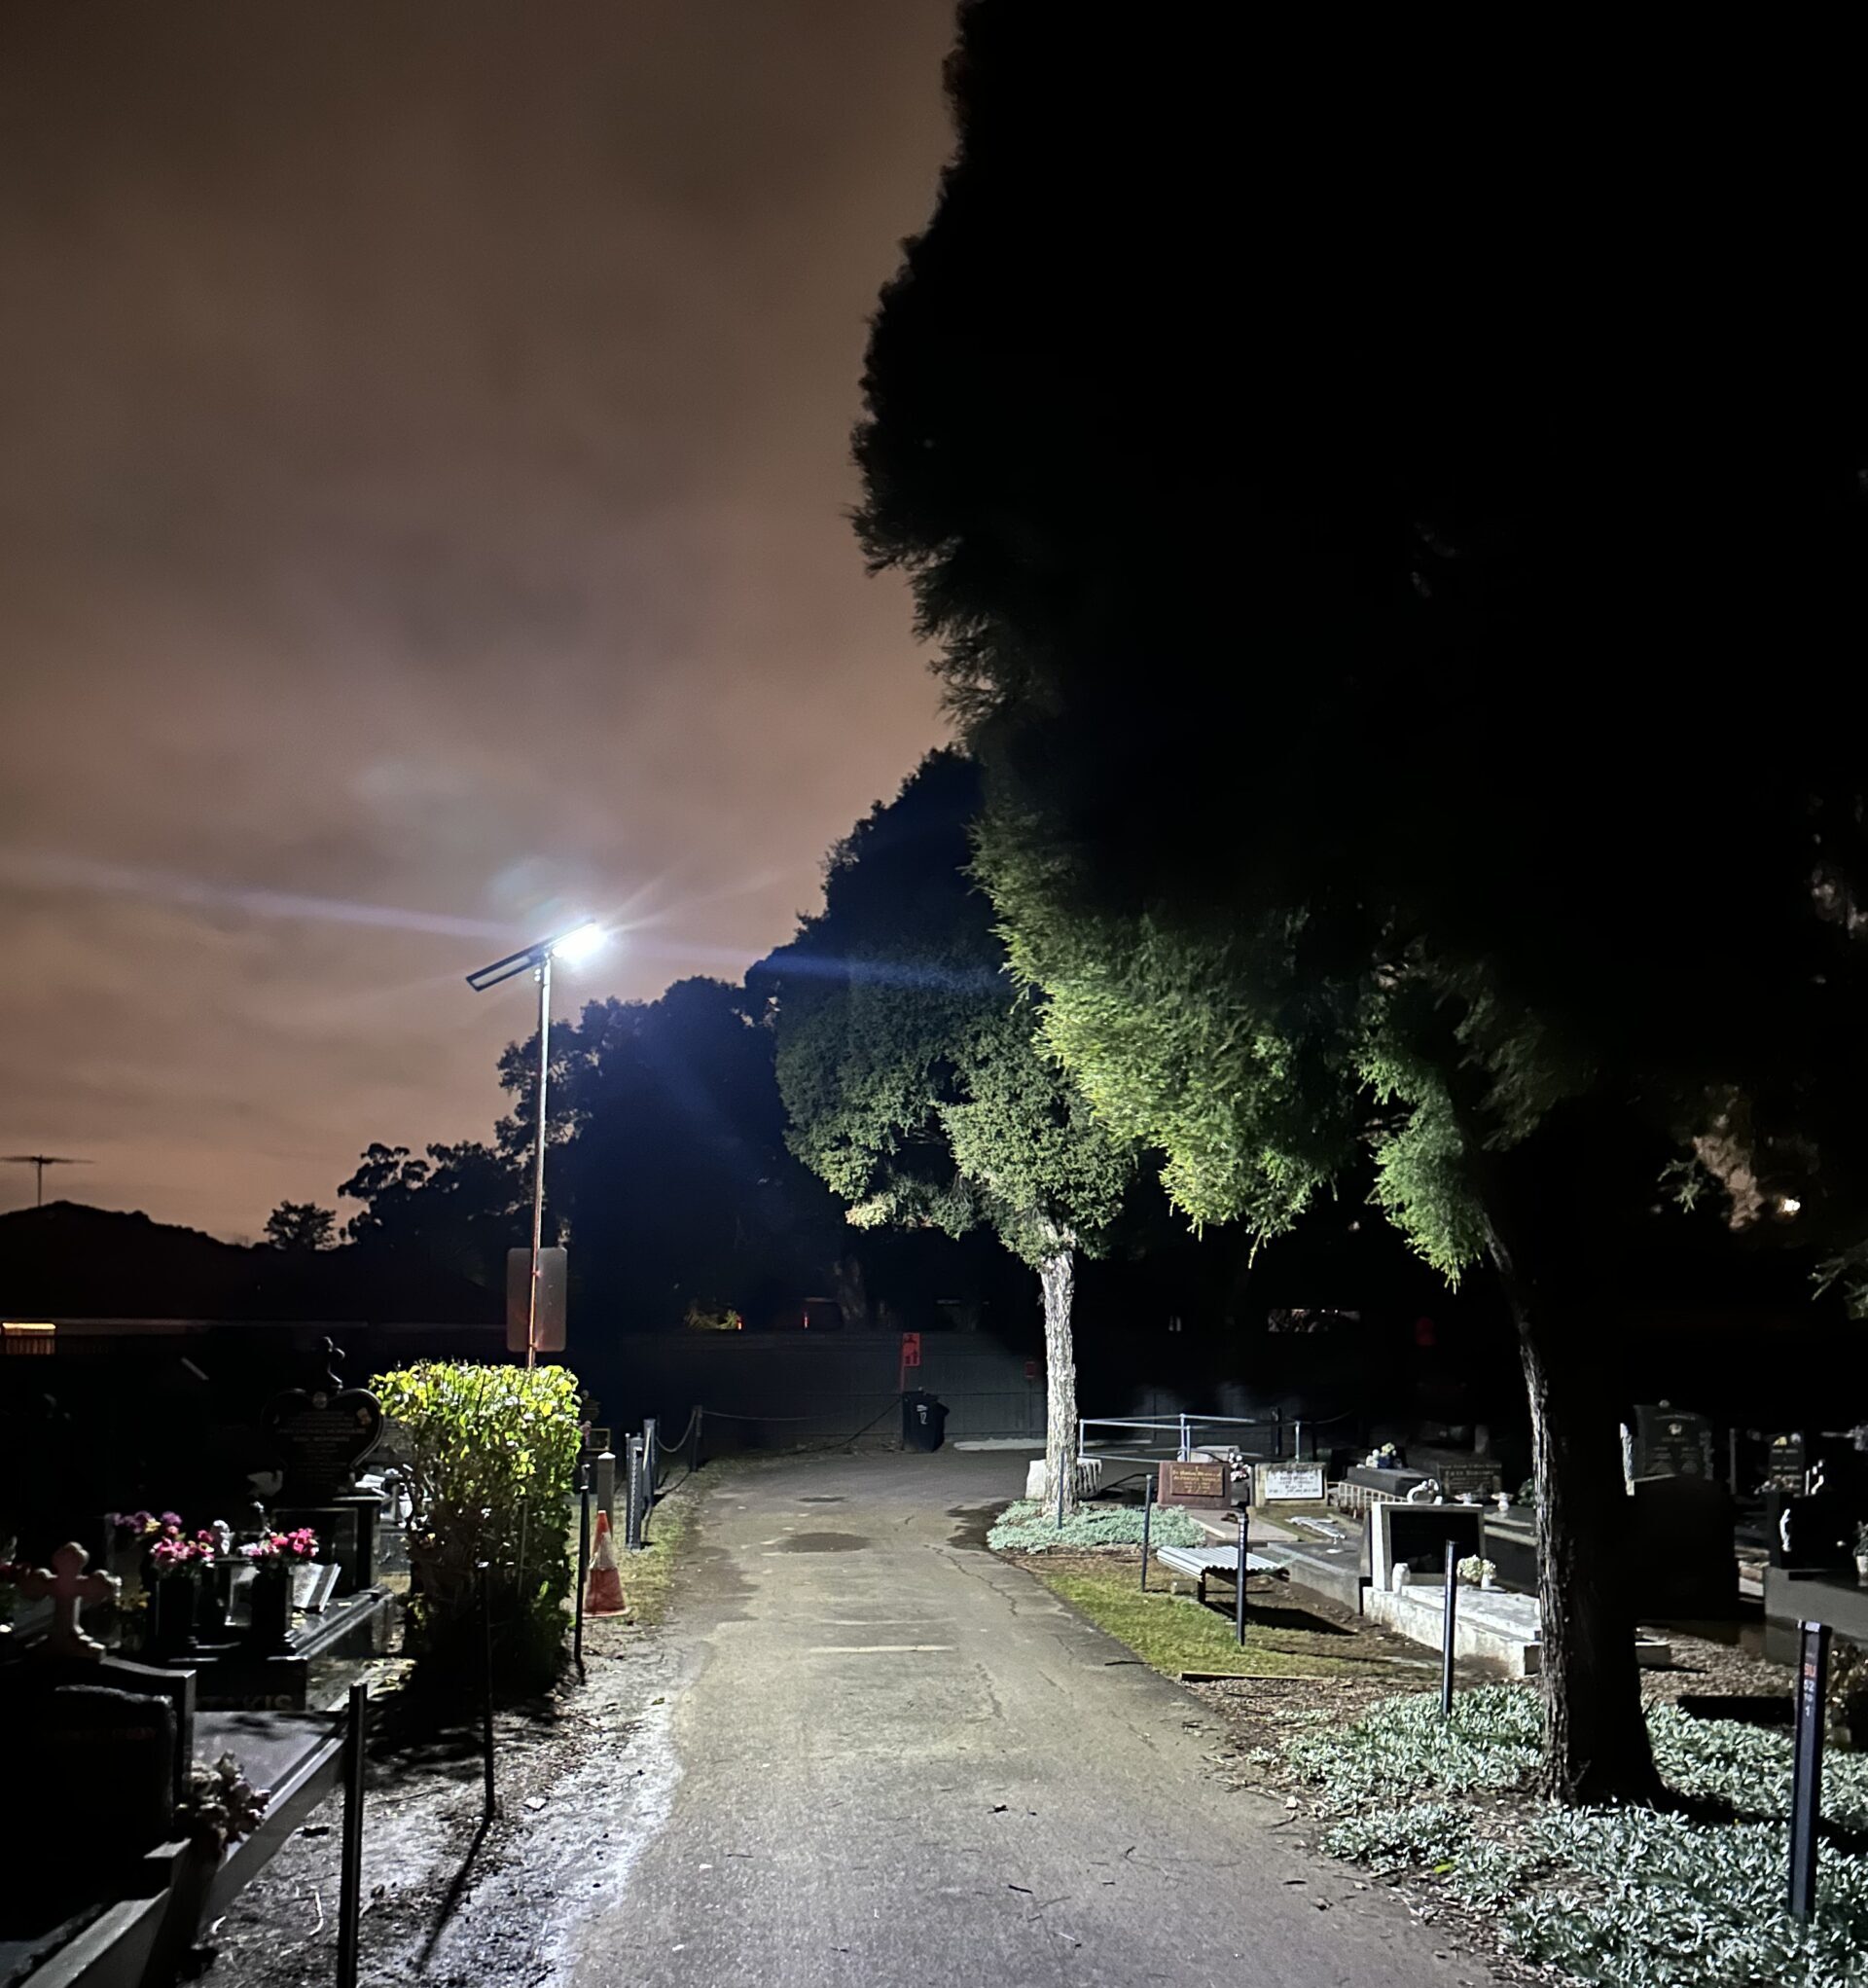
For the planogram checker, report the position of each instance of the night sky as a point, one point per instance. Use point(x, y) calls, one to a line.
point(423, 490)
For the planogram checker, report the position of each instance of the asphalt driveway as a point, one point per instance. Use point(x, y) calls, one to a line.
point(898, 1759)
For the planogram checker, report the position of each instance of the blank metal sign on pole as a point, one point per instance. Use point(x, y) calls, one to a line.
point(553, 1273)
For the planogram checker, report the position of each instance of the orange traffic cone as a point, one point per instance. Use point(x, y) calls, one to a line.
point(603, 1595)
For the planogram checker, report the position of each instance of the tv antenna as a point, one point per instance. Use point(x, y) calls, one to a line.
point(40, 1161)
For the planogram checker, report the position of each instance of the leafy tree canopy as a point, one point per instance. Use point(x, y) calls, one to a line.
point(461, 1206)
point(909, 1060)
point(300, 1225)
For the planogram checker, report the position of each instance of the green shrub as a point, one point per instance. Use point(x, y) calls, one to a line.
point(492, 1457)
point(1401, 1838)
point(1028, 1526)
point(1625, 1897)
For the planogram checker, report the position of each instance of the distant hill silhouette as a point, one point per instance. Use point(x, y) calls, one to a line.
point(68, 1260)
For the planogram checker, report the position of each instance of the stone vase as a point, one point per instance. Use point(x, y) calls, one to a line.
point(269, 1600)
point(211, 1603)
point(173, 1600)
point(1861, 1569)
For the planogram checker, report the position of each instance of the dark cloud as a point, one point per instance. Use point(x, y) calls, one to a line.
point(423, 487)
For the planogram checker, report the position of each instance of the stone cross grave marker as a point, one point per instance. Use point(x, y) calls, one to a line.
point(68, 1587)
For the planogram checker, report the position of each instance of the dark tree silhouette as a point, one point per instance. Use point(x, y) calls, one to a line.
point(666, 1168)
point(1396, 538)
point(461, 1206)
point(300, 1225)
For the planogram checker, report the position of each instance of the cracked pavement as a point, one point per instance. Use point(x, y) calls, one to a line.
point(899, 1760)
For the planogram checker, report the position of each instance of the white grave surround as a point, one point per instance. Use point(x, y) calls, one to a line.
point(1463, 1518)
point(1287, 1483)
point(1490, 1623)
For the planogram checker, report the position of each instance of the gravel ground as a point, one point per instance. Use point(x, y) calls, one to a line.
point(580, 1777)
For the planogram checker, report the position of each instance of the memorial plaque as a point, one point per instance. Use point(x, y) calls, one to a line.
point(1671, 1442)
point(1287, 1483)
point(1786, 1463)
point(1479, 1478)
point(1196, 1484)
point(321, 1436)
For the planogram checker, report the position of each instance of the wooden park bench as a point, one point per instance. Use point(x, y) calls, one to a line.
point(1204, 1562)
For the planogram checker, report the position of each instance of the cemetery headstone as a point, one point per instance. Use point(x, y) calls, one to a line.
point(1681, 1551)
point(321, 1435)
point(67, 1587)
point(1480, 1477)
point(1287, 1483)
point(1199, 1483)
point(1786, 1463)
point(1671, 1442)
point(100, 1762)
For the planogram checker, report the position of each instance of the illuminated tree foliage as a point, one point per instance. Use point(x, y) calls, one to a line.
point(912, 1068)
point(1412, 628)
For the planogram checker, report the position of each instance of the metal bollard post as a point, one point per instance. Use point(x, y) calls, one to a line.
point(1238, 1591)
point(1147, 1521)
point(1447, 1630)
point(1806, 1783)
point(651, 1471)
point(491, 1802)
point(606, 1484)
point(350, 1882)
point(633, 1509)
point(583, 1566)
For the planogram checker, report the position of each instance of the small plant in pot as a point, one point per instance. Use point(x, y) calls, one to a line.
point(1477, 1572)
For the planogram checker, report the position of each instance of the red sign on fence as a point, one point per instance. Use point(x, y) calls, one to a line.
point(910, 1348)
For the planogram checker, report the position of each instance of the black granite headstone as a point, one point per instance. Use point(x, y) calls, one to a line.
point(1671, 1442)
point(1786, 1462)
point(321, 1434)
point(1681, 1559)
point(101, 1764)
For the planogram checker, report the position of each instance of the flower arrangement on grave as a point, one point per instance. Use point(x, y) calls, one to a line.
point(280, 1549)
point(173, 1552)
point(1385, 1458)
point(1477, 1572)
point(143, 1524)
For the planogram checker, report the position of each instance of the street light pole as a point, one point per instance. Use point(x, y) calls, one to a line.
point(576, 944)
point(544, 973)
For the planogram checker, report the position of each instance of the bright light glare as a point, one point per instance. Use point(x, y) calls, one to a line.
point(1790, 1205)
point(579, 943)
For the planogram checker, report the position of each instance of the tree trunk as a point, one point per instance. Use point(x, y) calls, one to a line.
point(1057, 1277)
point(1595, 1740)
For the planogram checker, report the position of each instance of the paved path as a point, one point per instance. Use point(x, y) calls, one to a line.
point(902, 1761)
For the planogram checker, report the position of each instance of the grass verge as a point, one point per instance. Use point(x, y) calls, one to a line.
point(648, 1576)
point(1172, 1633)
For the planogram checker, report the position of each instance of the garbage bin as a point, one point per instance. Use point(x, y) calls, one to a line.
point(923, 1419)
